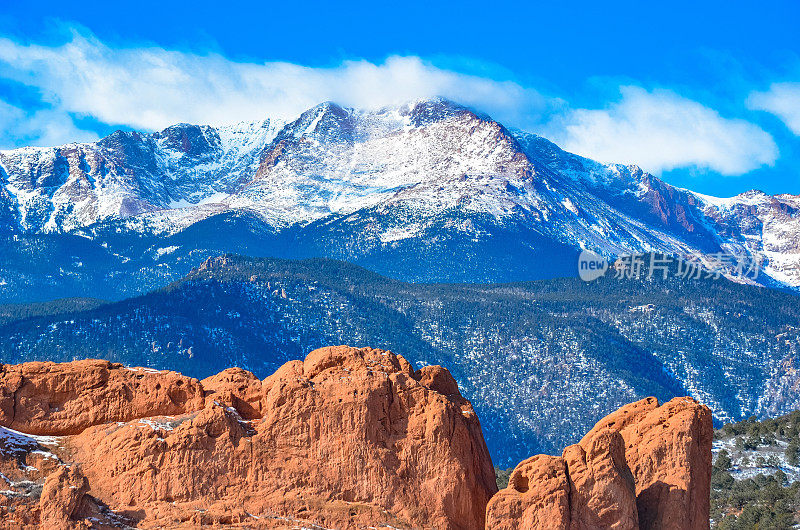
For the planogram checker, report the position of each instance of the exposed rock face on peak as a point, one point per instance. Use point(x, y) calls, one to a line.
point(348, 438)
point(643, 466)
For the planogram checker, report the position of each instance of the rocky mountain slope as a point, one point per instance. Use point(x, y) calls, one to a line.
point(427, 191)
point(346, 439)
point(541, 361)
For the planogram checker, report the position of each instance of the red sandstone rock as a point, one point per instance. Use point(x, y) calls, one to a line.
point(61, 399)
point(602, 490)
point(537, 496)
point(236, 388)
point(62, 493)
point(668, 449)
point(643, 466)
point(348, 438)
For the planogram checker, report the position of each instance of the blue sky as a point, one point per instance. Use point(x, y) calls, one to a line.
point(704, 94)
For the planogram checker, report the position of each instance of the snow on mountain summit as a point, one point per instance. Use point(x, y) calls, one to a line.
point(414, 165)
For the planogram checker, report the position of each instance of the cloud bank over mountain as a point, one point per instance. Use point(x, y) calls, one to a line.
point(149, 87)
point(661, 130)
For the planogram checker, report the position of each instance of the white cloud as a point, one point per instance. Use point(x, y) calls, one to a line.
point(783, 100)
point(660, 130)
point(44, 127)
point(152, 88)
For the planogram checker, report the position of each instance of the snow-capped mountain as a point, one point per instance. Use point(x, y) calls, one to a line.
point(429, 182)
point(127, 174)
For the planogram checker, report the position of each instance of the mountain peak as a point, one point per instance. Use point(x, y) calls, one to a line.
point(193, 140)
point(327, 121)
point(754, 193)
point(328, 106)
point(429, 110)
point(420, 161)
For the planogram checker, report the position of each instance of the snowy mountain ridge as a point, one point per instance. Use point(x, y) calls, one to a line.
point(414, 174)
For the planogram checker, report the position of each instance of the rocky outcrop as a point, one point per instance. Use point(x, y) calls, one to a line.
point(62, 493)
point(236, 388)
point(537, 496)
point(348, 438)
point(643, 466)
point(602, 490)
point(668, 449)
point(48, 398)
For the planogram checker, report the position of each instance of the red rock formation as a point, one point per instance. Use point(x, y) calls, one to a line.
point(62, 399)
point(348, 438)
point(236, 388)
point(537, 496)
point(643, 466)
point(668, 449)
point(62, 493)
point(602, 491)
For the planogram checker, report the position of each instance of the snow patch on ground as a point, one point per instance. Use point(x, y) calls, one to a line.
point(156, 424)
point(400, 233)
point(166, 250)
point(16, 439)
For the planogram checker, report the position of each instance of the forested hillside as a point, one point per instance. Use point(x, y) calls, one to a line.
point(541, 361)
point(755, 481)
